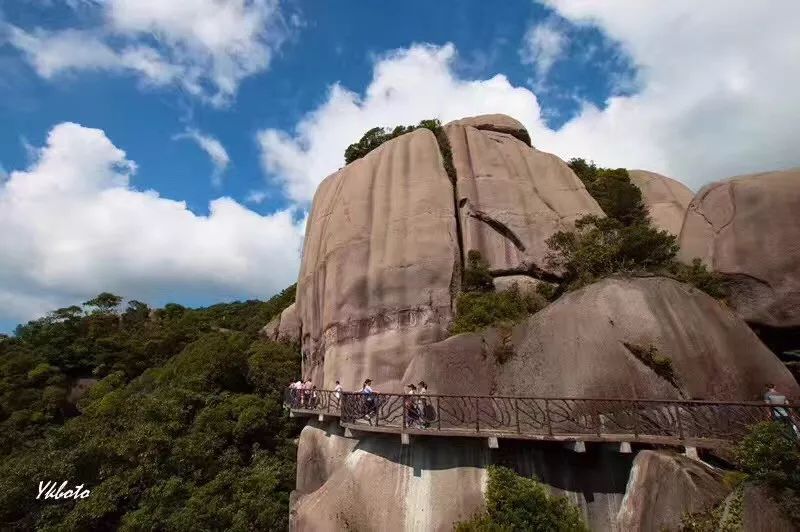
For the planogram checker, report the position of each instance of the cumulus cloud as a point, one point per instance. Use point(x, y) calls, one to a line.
point(407, 86)
point(73, 225)
point(716, 96)
point(542, 46)
point(207, 47)
point(213, 148)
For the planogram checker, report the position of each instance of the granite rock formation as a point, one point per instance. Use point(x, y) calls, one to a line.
point(747, 229)
point(585, 344)
point(380, 261)
point(382, 485)
point(387, 234)
point(666, 199)
point(511, 197)
point(665, 486)
point(283, 328)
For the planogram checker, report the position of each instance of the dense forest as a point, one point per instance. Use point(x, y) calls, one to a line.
point(183, 429)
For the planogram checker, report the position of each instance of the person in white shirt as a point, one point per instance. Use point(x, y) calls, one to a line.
point(337, 392)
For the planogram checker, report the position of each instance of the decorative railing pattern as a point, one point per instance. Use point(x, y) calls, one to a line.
point(547, 418)
point(313, 401)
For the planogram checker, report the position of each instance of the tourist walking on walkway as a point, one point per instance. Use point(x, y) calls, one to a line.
point(411, 407)
point(337, 393)
point(370, 401)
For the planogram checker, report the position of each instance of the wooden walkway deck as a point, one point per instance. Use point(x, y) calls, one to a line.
point(698, 424)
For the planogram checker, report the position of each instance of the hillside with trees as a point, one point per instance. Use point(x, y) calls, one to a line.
point(183, 430)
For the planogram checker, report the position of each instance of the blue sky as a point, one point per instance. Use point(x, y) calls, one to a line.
point(279, 88)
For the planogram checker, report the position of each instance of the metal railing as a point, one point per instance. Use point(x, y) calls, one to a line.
point(313, 401)
point(659, 421)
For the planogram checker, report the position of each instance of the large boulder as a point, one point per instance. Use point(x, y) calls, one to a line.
point(511, 197)
point(747, 229)
point(380, 264)
point(437, 482)
point(322, 448)
point(589, 343)
point(289, 325)
point(666, 199)
point(663, 487)
point(760, 512)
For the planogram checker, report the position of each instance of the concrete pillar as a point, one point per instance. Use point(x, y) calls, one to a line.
point(493, 443)
point(691, 452)
point(321, 417)
point(576, 446)
point(625, 447)
point(405, 439)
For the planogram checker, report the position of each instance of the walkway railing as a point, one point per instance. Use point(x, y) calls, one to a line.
point(313, 401)
point(699, 423)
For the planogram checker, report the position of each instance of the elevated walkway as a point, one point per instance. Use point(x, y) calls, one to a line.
point(692, 424)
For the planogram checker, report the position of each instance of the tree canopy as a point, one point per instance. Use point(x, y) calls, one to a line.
point(183, 431)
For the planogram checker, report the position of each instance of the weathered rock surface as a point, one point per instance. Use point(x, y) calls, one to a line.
point(761, 514)
point(270, 330)
point(665, 486)
point(511, 197)
point(380, 258)
point(284, 327)
point(289, 325)
point(525, 283)
point(581, 346)
point(430, 485)
point(666, 199)
point(321, 449)
point(747, 229)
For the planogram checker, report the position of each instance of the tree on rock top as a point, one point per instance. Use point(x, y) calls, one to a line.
point(612, 189)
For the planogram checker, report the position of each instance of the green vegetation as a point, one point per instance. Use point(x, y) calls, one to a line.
point(518, 503)
point(769, 456)
point(378, 135)
point(184, 430)
point(612, 189)
point(599, 247)
point(650, 357)
point(480, 306)
point(624, 242)
point(476, 275)
point(476, 310)
point(725, 517)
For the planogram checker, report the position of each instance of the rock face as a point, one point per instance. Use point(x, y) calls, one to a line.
point(584, 345)
point(380, 259)
point(289, 326)
point(761, 514)
point(664, 486)
point(525, 284)
point(322, 448)
point(511, 197)
point(746, 228)
point(383, 485)
point(284, 327)
point(666, 199)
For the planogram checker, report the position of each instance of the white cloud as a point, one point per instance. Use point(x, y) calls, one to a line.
point(256, 196)
point(74, 226)
point(716, 96)
point(542, 46)
point(407, 86)
point(205, 46)
point(213, 148)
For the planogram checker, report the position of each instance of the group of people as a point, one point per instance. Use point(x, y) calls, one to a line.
point(303, 394)
point(417, 410)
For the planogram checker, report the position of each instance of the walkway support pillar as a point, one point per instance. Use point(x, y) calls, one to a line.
point(493, 443)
